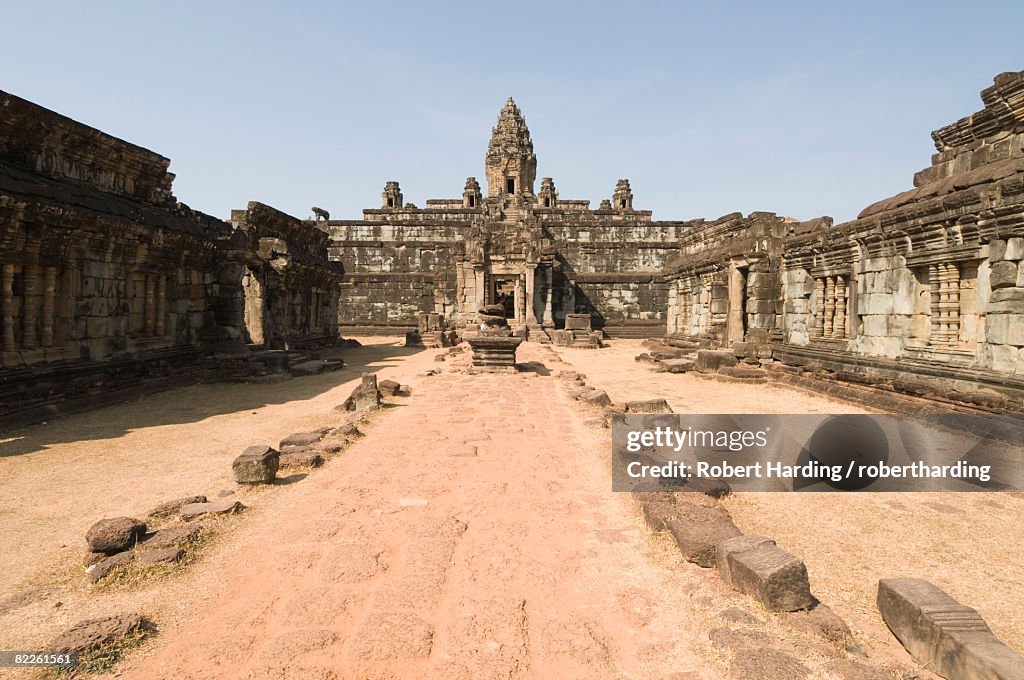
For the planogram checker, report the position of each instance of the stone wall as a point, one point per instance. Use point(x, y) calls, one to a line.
point(105, 279)
point(290, 288)
point(923, 292)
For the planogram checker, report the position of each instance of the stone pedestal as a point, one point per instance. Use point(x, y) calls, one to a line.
point(494, 353)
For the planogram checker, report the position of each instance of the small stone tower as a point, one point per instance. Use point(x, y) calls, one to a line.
point(622, 198)
point(548, 195)
point(392, 195)
point(511, 163)
point(471, 197)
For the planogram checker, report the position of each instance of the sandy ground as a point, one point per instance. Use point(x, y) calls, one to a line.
point(966, 543)
point(57, 478)
point(471, 534)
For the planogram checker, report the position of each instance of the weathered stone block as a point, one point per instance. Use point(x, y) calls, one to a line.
point(775, 578)
point(648, 406)
point(941, 634)
point(366, 397)
point(256, 465)
point(221, 507)
point(1002, 275)
point(1014, 249)
point(996, 250)
point(711, 360)
point(1005, 329)
point(697, 530)
point(115, 535)
point(597, 398)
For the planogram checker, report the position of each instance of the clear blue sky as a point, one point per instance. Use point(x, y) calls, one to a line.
point(802, 109)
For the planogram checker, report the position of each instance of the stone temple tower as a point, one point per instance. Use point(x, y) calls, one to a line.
point(511, 163)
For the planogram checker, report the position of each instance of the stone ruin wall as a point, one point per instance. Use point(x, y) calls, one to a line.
point(109, 287)
point(395, 268)
point(105, 279)
point(923, 291)
point(290, 288)
point(616, 267)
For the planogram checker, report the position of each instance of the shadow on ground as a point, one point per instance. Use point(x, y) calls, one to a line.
point(194, 403)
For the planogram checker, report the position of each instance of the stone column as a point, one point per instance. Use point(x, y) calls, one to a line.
point(49, 295)
point(839, 321)
point(672, 311)
point(149, 313)
point(953, 304)
point(830, 307)
point(737, 293)
point(531, 295)
point(518, 311)
point(819, 308)
point(934, 313)
point(7, 304)
point(481, 289)
point(28, 306)
point(549, 274)
point(161, 305)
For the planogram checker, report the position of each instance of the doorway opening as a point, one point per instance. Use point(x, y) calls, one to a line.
point(505, 295)
point(510, 185)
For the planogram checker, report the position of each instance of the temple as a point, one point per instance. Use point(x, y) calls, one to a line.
point(109, 286)
point(542, 256)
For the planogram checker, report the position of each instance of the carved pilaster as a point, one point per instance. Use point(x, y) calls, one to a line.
point(7, 303)
point(161, 305)
point(29, 308)
point(828, 327)
point(49, 297)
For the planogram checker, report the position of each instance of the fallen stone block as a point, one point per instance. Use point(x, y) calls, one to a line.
point(256, 465)
point(676, 365)
point(304, 438)
point(108, 565)
point(93, 634)
point(115, 535)
point(697, 530)
point(366, 397)
point(743, 373)
point(819, 621)
point(597, 398)
point(648, 406)
point(170, 508)
point(314, 367)
point(304, 458)
point(389, 388)
point(149, 558)
point(946, 637)
point(172, 536)
point(711, 360)
point(716, 488)
point(754, 565)
point(222, 507)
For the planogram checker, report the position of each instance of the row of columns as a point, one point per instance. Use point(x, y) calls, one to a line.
point(944, 285)
point(38, 306)
point(831, 295)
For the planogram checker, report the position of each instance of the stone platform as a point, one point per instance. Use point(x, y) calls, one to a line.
point(494, 353)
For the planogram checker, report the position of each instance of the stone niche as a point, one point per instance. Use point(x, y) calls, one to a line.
point(107, 282)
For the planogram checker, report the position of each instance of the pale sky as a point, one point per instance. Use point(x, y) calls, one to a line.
point(802, 109)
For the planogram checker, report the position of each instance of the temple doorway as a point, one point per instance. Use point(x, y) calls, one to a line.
point(505, 295)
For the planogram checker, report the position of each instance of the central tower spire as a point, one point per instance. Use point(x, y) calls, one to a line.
point(510, 161)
